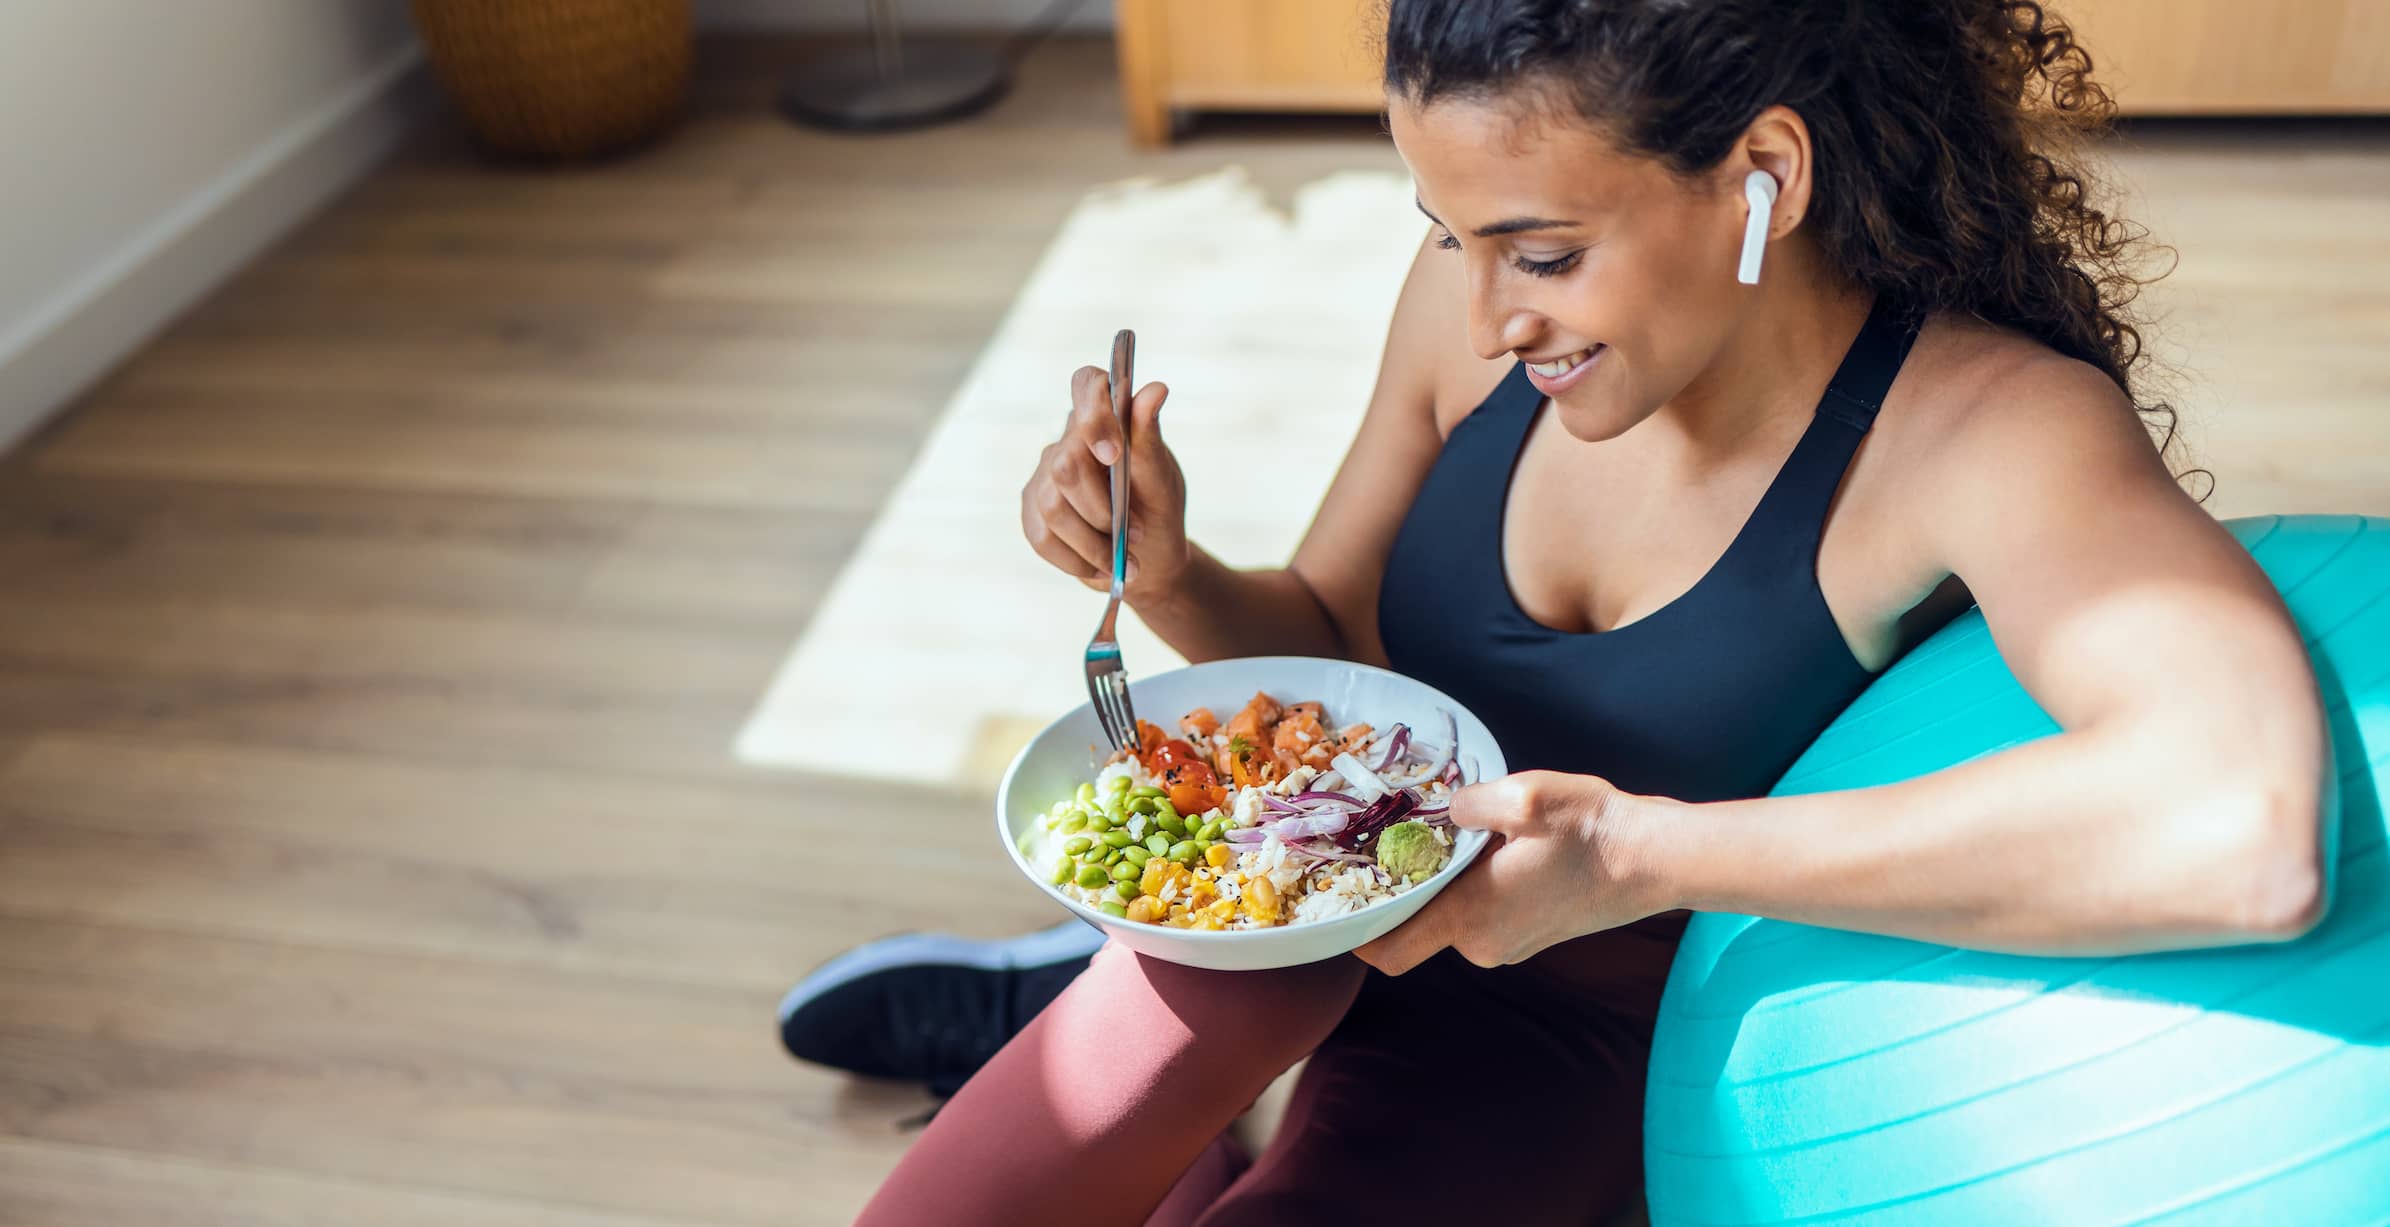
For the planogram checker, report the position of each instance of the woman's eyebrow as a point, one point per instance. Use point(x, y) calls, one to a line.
point(1514, 225)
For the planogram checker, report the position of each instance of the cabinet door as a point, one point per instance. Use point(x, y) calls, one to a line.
point(2195, 57)
point(1265, 54)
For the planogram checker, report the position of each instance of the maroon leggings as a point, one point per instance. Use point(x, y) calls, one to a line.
point(1453, 1094)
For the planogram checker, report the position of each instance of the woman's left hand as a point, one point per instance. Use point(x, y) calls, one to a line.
point(1558, 868)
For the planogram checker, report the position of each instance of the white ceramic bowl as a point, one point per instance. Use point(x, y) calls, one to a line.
point(1052, 766)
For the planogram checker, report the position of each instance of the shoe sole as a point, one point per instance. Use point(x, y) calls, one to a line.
point(1074, 940)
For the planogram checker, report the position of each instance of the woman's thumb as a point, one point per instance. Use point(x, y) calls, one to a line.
point(1145, 415)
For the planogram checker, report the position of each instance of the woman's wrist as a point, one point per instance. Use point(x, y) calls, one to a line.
point(1163, 588)
point(1643, 841)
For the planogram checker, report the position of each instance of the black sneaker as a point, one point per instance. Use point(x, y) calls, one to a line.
point(928, 1007)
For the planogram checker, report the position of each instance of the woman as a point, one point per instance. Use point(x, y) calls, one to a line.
point(1657, 526)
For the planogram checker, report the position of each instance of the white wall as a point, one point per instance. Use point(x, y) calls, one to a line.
point(148, 148)
point(978, 15)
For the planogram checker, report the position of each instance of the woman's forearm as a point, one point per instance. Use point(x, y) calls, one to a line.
point(2087, 843)
point(1215, 611)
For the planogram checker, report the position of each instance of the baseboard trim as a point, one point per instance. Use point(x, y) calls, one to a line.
point(95, 321)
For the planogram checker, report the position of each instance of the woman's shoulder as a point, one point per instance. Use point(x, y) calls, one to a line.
point(1976, 398)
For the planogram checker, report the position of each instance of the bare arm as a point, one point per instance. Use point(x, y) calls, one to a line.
point(1325, 602)
point(2179, 806)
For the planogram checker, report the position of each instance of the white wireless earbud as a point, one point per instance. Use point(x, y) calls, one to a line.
point(1759, 187)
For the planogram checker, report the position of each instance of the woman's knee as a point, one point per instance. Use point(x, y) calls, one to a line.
point(1285, 1011)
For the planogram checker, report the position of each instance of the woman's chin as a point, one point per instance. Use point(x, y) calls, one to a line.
point(1592, 419)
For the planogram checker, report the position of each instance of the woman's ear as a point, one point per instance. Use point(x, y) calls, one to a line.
point(1777, 141)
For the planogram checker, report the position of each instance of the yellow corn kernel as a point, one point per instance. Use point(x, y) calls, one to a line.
point(1145, 909)
point(1261, 900)
point(1156, 873)
point(1203, 895)
point(1218, 856)
point(1225, 909)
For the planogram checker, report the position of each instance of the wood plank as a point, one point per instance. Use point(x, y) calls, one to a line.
point(744, 881)
point(385, 1069)
point(472, 685)
point(45, 1184)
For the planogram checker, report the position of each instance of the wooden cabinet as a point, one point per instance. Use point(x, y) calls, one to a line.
point(1245, 55)
point(2231, 57)
point(2159, 57)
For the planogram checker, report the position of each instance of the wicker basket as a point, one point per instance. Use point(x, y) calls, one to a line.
point(559, 78)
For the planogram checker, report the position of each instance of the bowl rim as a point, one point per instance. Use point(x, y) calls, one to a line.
point(1462, 857)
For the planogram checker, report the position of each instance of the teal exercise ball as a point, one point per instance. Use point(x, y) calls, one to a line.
point(1808, 1075)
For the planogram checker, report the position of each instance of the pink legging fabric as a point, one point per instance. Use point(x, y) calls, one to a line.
point(1453, 1094)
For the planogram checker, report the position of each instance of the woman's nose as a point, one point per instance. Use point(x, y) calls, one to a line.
point(1496, 325)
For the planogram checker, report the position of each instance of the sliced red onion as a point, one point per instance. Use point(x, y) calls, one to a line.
point(1365, 782)
point(1437, 765)
point(1437, 812)
point(1321, 798)
point(1280, 805)
point(1291, 829)
point(1245, 835)
point(1395, 746)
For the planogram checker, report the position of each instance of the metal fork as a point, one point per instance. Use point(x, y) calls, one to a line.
point(1107, 681)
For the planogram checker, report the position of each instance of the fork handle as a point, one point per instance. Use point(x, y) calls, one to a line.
point(1124, 348)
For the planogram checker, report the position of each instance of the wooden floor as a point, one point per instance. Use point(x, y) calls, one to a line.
point(371, 849)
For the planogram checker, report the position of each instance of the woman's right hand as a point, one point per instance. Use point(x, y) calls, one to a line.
point(1066, 509)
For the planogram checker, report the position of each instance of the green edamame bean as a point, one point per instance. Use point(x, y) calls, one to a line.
point(1209, 830)
point(1071, 822)
point(1184, 851)
point(1063, 869)
point(1117, 839)
point(1136, 854)
point(1118, 784)
point(1114, 910)
point(1157, 843)
point(1092, 876)
point(1145, 790)
point(1097, 824)
point(1141, 805)
point(1077, 845)
point(1086, 794)
point(1113, 856)
point(1164, 806)
point(1126, 872)
point(1171, 823)
point(1127, 891)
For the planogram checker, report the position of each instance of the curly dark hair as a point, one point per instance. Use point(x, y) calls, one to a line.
point(1945, 134)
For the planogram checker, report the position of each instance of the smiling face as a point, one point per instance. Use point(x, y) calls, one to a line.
point(1612, 276)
